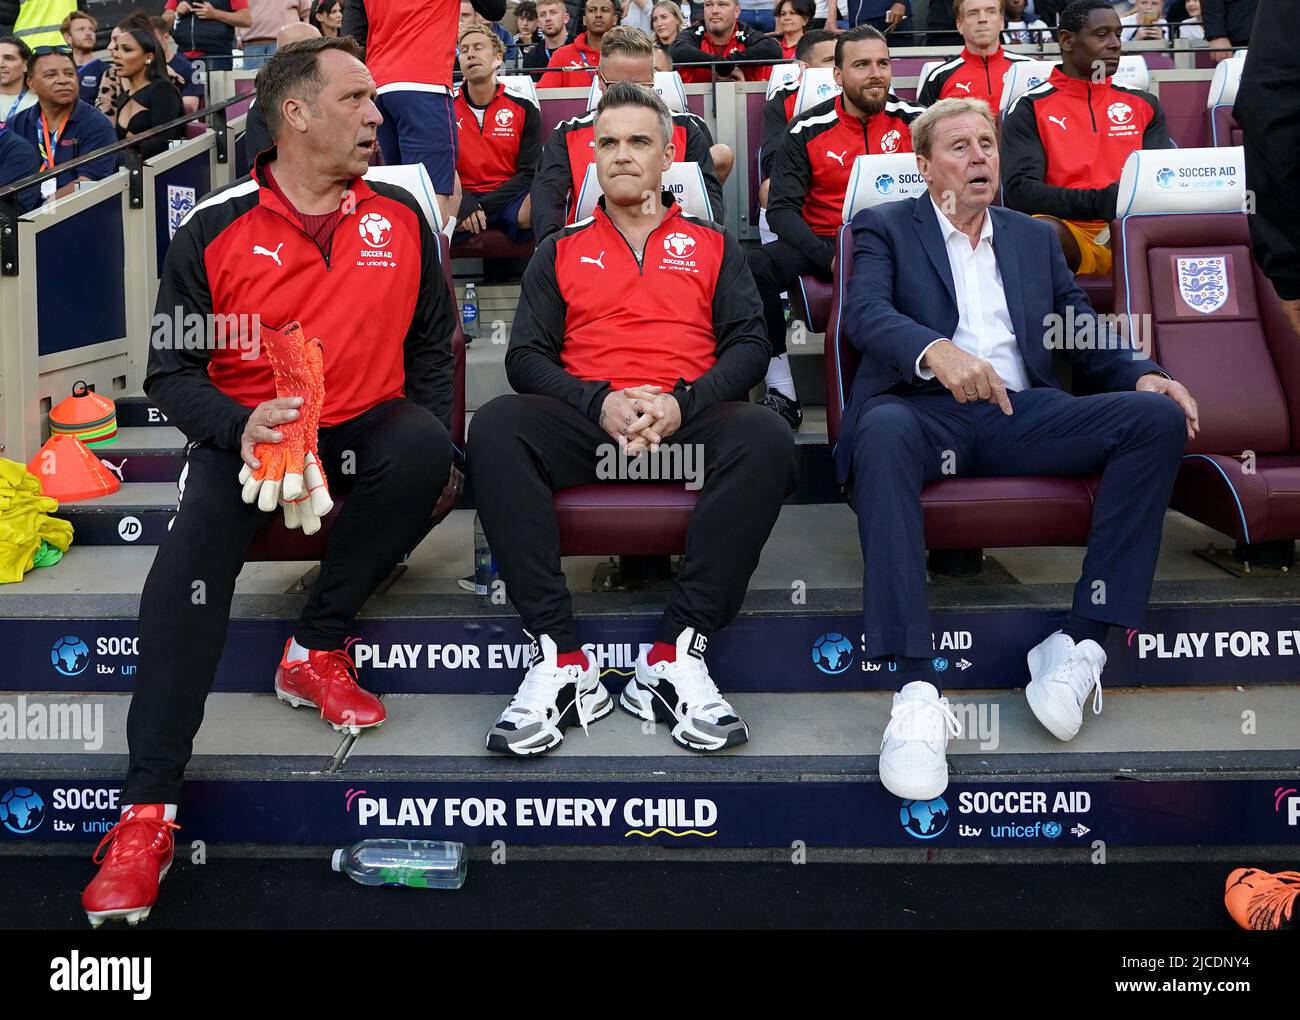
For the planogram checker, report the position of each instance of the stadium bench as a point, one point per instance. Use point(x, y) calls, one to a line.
point(1221, 126)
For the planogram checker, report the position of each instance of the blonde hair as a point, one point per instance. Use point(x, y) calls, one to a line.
point(924, 126)
point(476, 28)
point(672, 8)
point(629, 41)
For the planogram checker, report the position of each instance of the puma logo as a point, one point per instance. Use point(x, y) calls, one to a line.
point(963, 85)
point(597, 261)
point(259, 250)
point(115, 468)
point(839, 158)
point(1059, 121)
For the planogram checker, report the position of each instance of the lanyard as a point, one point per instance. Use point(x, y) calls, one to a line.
point(47, 153)
point(13, 106)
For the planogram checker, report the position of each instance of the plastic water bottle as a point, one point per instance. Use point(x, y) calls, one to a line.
point(418, 863)
point(469, 313)
point(485, 564)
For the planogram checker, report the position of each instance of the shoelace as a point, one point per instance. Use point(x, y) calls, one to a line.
point(540, 686)
point(1083, 674)
point(128, 839)
point(916, 720)
point(694, 686)
point(1268, 908)
point(337, 670)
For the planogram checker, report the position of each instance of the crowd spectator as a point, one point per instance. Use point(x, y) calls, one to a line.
point(809, 177)
point(1145, 22)
point(821, 15)
point(257, 136)
point(592, 374)
point(1064, 143)
point(205, 30)
point(18, 159)
point(1190, 27)
point(626, 55)
point(758, 14)
point(978, 71)
point(792, 18)
point(553, 27)
point(666, 21)
point(15, 96)
point(888, 16)
point(527, 34)
point(191, 80)
point(150, 98)
point(8, 15)
point(574, 65)
point(37, 23)
point(815, 49)
point(469, 16)
point(499, 141)
point(636, 14)
point(720, 35)
point(78, 31)
point(941, 25)
point(1227, 25)
point(1020, 29)
point(60, 125)
point(948, 301)
point(268, 17)
point(410, 47)
point(327, 16)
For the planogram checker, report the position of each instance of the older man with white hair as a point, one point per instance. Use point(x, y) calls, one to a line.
point(957, 306)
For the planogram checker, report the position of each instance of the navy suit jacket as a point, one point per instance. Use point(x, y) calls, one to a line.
point(901, 298)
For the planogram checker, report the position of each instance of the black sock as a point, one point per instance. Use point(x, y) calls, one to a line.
point(907, 669)
point(1080, 628)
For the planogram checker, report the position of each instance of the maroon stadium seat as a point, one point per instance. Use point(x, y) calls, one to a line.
point(624, 519)
point(1221, 126)
point(960, 513)
point(1100, 288)
point(1218, 327)
point(812, 302)
point(276, 542)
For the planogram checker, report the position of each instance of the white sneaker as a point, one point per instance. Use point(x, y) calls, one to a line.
point(913, 751)
point(1062, 675)
point(682, 693)
point(550, 699)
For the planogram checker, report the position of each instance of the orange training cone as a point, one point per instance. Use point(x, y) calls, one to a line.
point(69, 472)
point(86, 415)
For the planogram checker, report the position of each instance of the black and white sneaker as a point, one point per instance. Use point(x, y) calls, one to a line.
point(789, 409)
point(683, 693)
point(550, 699)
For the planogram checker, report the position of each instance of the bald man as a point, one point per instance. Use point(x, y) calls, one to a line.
point(256, 137)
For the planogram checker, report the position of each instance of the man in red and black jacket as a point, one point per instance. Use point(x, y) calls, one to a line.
point(500, 140)
point(815, 49)
point(720, 34)
point(810, 174)
point(626, 54)
point(977, 72)
point(574, 65)
point(633, 350)
point(303, 239)
point(1065, 142)
point(410, 47)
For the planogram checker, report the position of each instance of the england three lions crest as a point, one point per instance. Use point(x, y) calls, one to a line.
point(180, 200)
point(1203, 282)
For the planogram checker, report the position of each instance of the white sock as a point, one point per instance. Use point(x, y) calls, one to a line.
point(169, 811)
point(779, 377)
point(296, 652)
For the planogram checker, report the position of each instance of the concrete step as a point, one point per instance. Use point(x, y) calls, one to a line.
point(1157, 769)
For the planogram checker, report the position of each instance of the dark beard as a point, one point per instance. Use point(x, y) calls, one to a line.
point(870, 107)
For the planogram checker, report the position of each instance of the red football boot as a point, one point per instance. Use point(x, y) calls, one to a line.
point(139, 856)
point(328, 681)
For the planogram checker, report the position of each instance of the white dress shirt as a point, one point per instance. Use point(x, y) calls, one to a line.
point(983, 322)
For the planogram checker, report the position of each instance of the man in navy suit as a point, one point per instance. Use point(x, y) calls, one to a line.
point(957, 306)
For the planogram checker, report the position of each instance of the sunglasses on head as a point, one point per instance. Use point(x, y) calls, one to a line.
point(42, 51)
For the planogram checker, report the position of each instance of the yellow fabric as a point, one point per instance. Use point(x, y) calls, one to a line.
point(23, 521)
point(1093, 257)
point(43, 14)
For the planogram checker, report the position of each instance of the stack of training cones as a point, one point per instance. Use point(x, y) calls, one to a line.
point(85, 415)
point(69, 472)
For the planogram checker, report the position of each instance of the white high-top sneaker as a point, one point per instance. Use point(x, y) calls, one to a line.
point(1063, 674)
point(913, 750)
point(682, 693)
point(550, 699)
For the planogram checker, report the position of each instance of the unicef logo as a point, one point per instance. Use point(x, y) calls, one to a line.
point(1165, 177)
point(1051, 829)
point(375, 229)
point(832, 653)
point(924, 819)
point(22, 810)
point(885, 183)
point(70, 656)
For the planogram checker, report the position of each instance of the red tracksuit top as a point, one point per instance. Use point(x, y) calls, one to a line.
point(488, 156)
point(812, 168)
point(572, 65)
point(970, 77)
point(1064, 144)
